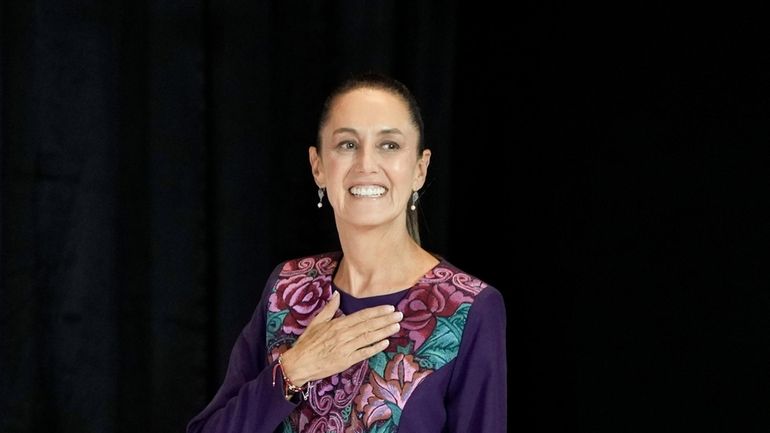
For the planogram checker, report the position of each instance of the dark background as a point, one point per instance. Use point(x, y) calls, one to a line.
point(603, 165)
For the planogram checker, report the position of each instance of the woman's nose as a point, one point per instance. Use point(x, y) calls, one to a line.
point(366, 160)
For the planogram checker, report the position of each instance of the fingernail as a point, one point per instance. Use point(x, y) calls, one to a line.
point(391, 308)
point(335, 294)
point(400, 315)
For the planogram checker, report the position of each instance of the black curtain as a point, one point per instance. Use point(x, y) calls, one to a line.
point(598, 164)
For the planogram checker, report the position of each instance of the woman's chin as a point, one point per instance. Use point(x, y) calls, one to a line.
point(366, 221)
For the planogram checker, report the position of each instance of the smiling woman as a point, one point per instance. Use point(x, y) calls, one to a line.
point(370, 160)
point(382, 336)
point(389, 89)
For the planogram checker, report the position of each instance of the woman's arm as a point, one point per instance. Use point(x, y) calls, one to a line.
point(247, 401)
point(477, 394)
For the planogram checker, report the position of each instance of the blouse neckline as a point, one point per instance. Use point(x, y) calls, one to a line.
point(424, 276)
point(350, 304)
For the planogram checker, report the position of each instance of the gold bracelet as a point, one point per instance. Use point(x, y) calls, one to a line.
point(290, 387)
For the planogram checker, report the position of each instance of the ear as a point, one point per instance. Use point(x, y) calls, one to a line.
point(422, 170)
point(316, 166)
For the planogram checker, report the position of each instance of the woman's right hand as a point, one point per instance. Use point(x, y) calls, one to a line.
point(329, 346)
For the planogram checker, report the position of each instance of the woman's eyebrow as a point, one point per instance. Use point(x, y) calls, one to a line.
point(391, 131)
point(385, 131)
point(341, 130)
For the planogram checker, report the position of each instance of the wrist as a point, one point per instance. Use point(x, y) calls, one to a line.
point(291, 391)
point(290, 371)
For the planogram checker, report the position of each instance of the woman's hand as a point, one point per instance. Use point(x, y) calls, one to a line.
point(329, 346)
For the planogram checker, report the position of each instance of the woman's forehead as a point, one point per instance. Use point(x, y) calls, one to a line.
point(366, 106)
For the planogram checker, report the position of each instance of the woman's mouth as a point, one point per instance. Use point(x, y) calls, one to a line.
point(368, 191)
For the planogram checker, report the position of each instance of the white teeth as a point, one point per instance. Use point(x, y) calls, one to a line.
point(367, 191)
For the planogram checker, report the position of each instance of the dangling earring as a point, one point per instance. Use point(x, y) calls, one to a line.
point(320, 198)
point(415, 196)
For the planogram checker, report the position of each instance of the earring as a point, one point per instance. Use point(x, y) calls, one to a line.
point(415, 196)
point(320, 198)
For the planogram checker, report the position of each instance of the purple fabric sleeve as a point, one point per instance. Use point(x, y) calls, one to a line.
point(247, 401)
point(477, 392)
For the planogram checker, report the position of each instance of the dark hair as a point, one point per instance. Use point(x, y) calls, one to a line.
point(378, 81)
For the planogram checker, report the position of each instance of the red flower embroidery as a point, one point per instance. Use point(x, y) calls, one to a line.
point(426, 302)
point(303, 297)
point(400, 379)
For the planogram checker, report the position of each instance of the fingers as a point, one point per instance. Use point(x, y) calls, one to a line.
point(373, 336)
point(330, 345)
point(327, 312)
point(365, 315)
point(368, 351)
point(383, 321)
point(366, 327)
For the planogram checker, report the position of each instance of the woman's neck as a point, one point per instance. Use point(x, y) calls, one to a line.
point(379, 262)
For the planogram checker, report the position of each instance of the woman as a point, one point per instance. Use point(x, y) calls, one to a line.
point(379, 337)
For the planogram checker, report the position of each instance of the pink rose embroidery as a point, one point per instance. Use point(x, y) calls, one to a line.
point(303, 297)
point(426, 302)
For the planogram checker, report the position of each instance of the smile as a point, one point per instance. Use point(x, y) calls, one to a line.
point(371, 191)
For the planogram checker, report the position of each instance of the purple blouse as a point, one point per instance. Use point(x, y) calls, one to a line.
point(444, 371)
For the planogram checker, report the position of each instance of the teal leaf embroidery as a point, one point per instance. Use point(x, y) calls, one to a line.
point(460, 316)
point(274, 323)
point(406, 350)
point(444, 343)
point(377, 363)
point(384, 427)
point(346, 412)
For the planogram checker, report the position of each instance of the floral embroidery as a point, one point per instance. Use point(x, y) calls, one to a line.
point(330, 423)
point(424, 304)
point(302, 296)
point(384, 397)
point(369, 396)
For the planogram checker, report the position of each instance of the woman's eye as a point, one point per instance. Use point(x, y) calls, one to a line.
point(389, 145)
point(347, 145)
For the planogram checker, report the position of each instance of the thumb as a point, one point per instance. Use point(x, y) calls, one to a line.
point(327, 312)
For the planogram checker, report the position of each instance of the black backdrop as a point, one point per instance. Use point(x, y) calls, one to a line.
point(598, 164)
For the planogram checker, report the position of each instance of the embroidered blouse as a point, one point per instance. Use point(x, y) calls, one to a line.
point(444, 371)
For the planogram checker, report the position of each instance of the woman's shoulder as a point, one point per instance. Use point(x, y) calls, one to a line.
point(445, 270)
point(318, 264)
point(483, 295)
point(301, 271)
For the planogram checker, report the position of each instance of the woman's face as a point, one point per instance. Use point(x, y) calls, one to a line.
point(368, 159)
